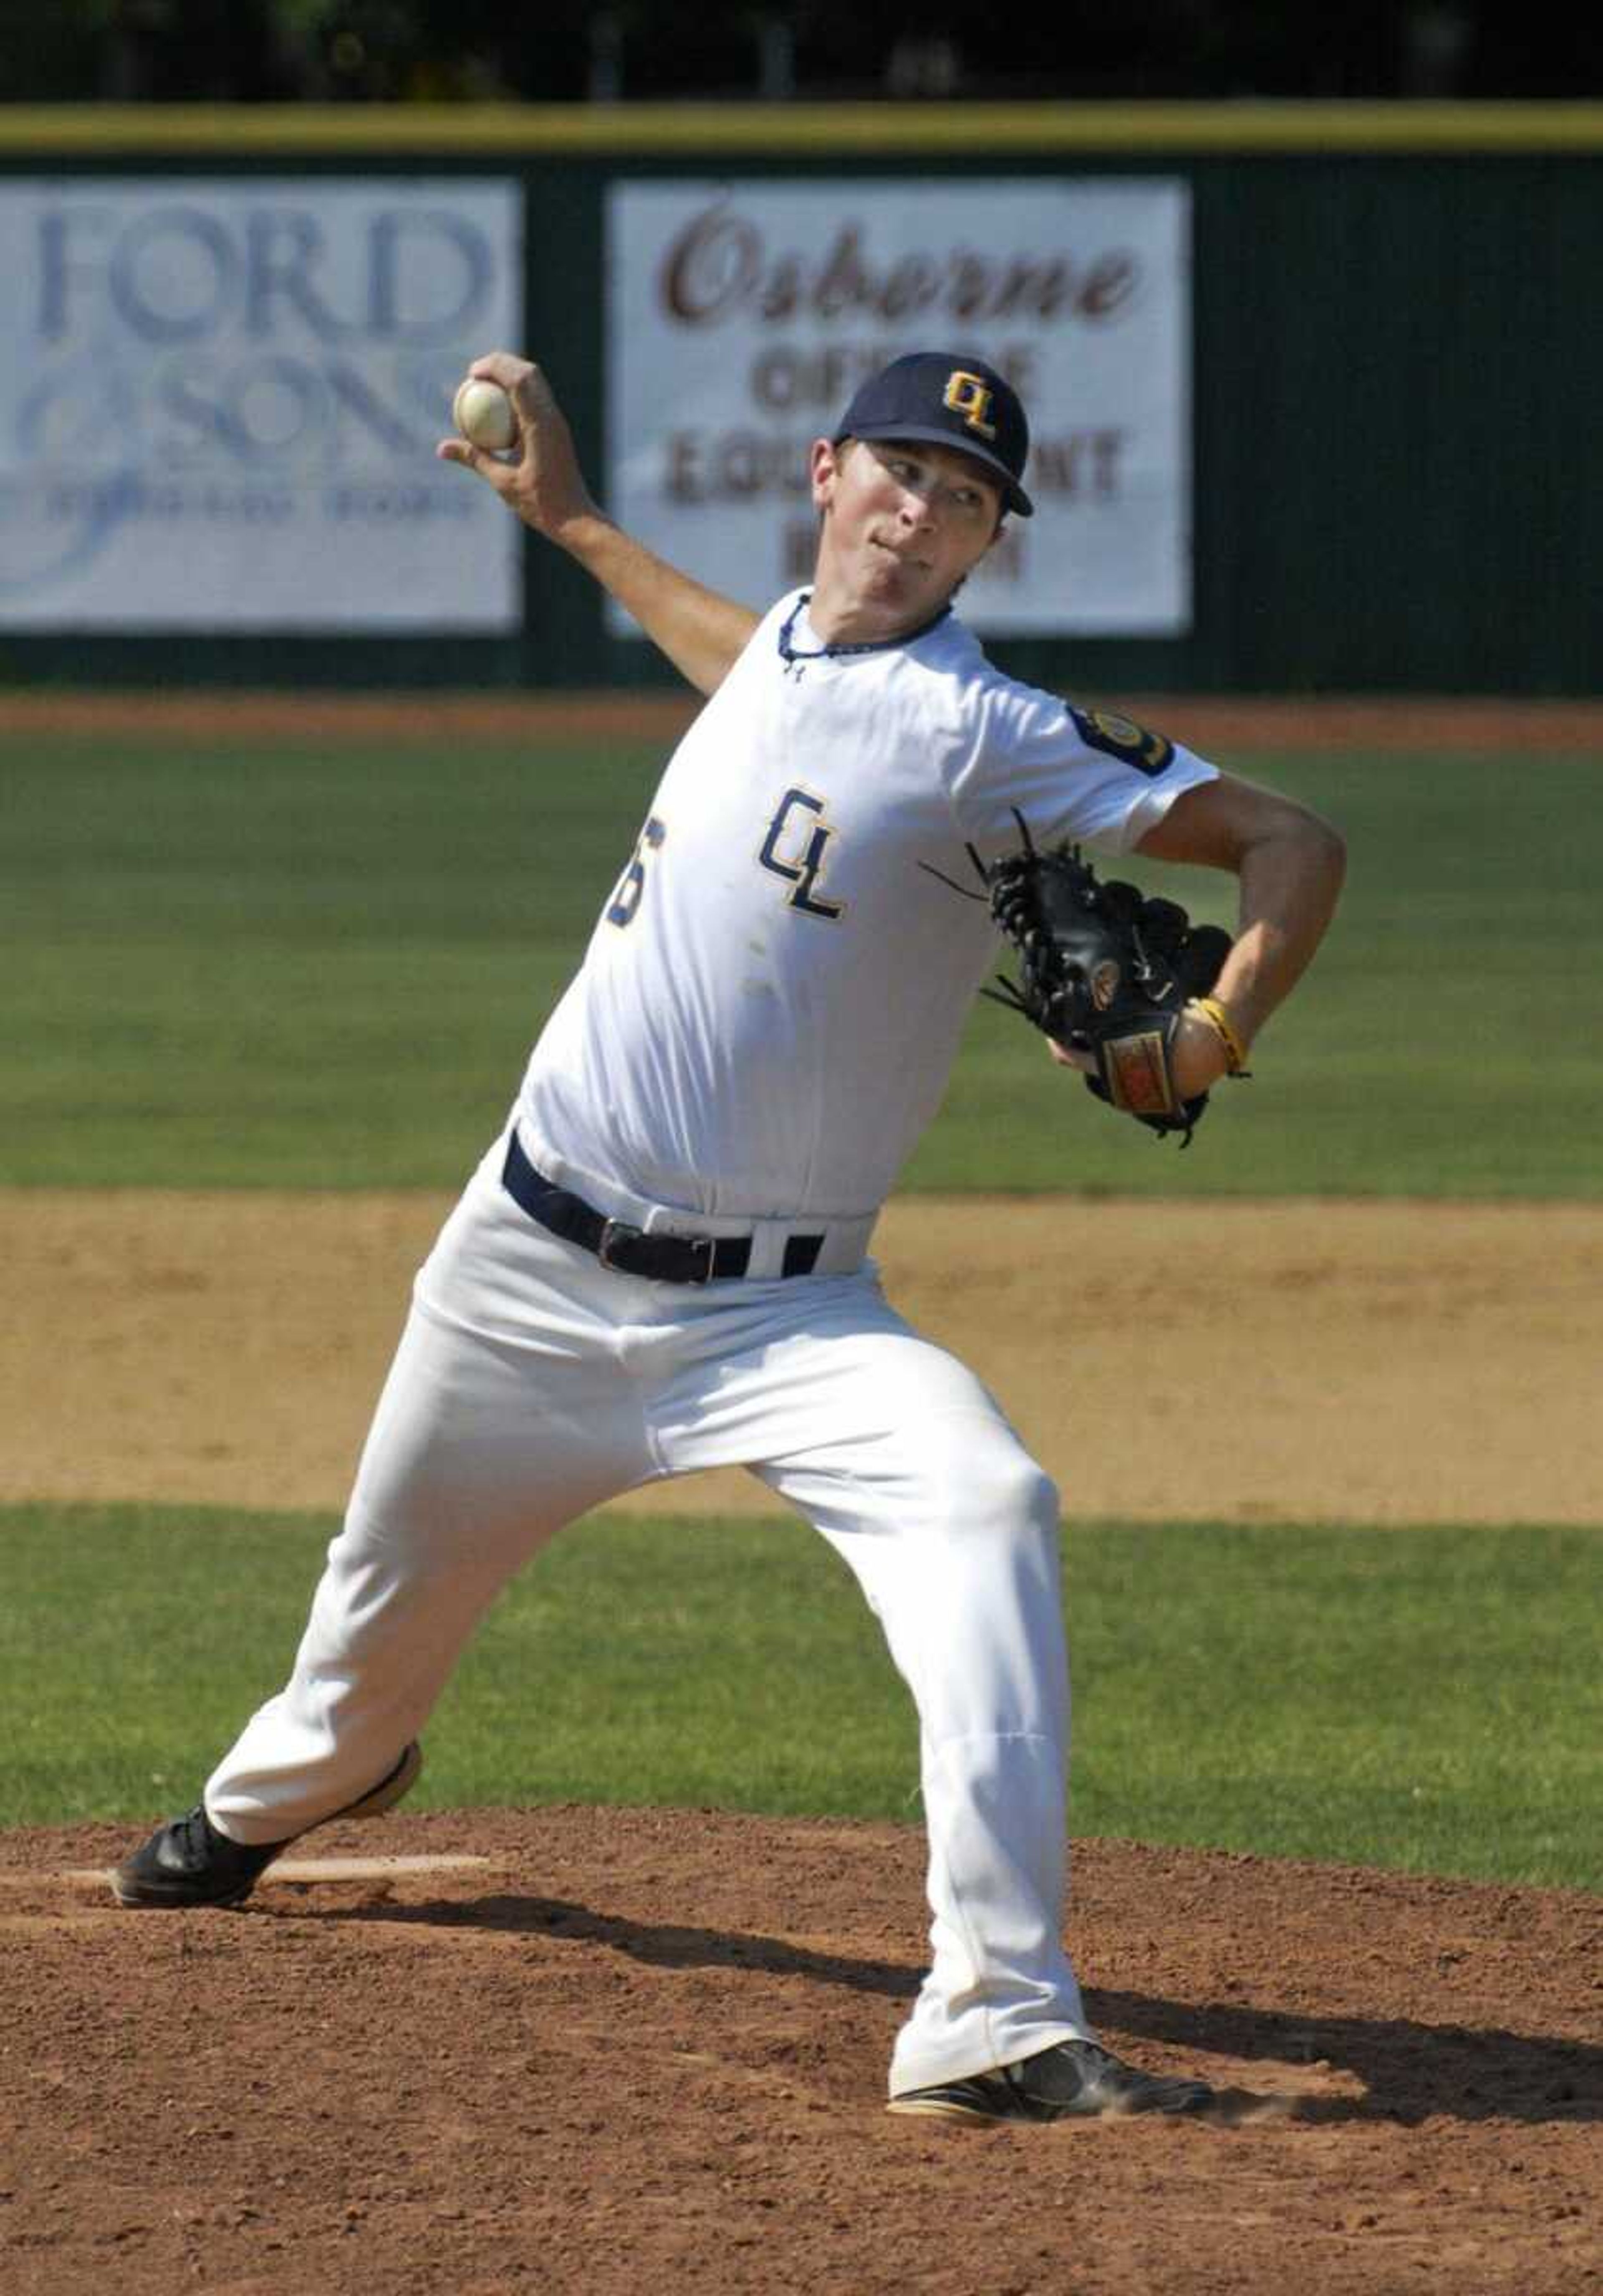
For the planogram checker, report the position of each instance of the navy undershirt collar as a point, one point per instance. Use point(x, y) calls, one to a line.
point(789, 653)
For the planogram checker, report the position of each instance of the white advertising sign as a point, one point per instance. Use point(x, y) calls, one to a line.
point(742, 316)
point(219, 402)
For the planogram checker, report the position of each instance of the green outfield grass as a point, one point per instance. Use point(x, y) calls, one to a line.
point(1413, 1699)
point(277, 967)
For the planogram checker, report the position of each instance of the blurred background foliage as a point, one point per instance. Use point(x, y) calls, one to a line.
point(568, 51)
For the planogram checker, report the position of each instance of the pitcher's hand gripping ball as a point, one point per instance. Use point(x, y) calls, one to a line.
point(483, 412)
point(1107, 970)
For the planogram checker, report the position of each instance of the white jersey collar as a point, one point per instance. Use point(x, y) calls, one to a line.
point(798, 641)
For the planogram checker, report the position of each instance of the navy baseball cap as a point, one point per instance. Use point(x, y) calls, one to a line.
point(951, 401)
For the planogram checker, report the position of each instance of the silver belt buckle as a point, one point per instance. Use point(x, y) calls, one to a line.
point(615, 1232)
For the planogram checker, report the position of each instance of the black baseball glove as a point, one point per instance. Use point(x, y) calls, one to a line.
point(1108, 970)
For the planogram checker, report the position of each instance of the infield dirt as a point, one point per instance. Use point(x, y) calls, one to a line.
point(1385, 1362)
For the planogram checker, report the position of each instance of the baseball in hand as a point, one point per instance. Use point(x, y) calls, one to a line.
point(483, 412)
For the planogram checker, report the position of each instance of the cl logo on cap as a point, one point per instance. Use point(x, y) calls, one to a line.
point(968, 396)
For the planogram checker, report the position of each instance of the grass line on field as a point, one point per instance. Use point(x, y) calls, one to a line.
point(1412, 1698)
point(322, 966)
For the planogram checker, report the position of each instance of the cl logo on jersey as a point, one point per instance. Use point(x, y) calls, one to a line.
point(810, 844)
point(968, 396)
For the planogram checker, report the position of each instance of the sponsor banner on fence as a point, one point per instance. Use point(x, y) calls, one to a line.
point(219, 402)
point(742, 316)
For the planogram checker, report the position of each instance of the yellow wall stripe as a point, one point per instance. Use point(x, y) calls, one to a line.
point(836, 130)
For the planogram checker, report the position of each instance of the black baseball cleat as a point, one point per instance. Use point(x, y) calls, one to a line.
point(187, 1862)
point(1073, 2081)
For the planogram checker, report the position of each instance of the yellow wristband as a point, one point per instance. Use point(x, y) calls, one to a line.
point(1219, 1021)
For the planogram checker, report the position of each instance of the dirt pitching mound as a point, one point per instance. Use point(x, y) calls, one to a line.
point(571, 2049)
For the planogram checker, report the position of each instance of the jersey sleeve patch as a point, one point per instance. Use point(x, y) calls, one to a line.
point(1124, 739)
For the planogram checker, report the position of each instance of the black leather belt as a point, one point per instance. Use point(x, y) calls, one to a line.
point(663, 1258)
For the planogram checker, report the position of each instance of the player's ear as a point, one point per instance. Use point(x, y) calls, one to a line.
point(823, 467)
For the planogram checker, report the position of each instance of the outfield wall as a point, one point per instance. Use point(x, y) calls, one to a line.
point(1371, 376)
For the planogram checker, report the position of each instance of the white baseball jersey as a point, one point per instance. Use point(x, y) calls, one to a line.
point(769, 1009)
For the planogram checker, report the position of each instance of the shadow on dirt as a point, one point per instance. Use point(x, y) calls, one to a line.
point(1411, 2072)
point(664, 1945)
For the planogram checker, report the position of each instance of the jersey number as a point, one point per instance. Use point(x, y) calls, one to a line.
point(801, 865)
point(632, 884)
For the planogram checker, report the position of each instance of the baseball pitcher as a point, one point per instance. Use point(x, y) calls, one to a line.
point(661, 1264)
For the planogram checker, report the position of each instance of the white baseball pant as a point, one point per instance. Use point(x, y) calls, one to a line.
point(532, 1384)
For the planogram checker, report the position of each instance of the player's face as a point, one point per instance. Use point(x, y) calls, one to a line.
point(903, 521)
